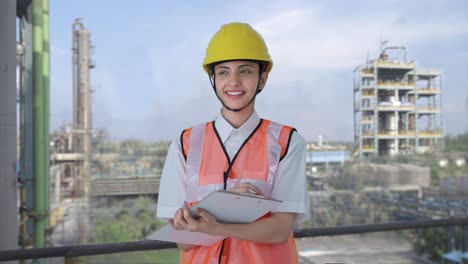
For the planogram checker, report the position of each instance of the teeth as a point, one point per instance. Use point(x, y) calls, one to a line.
point(234, 93)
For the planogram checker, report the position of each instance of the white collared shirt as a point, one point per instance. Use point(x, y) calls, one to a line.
point(290, 182)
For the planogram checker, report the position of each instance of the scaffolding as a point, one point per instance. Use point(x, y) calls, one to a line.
point(397, 107)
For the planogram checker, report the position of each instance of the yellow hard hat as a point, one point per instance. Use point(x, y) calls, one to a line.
point(237, 41)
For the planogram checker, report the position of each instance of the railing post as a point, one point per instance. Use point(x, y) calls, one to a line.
point(451, 239)
point(418, 242)
point(464, 244)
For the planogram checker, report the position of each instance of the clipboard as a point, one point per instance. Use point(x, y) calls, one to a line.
point(226, 207)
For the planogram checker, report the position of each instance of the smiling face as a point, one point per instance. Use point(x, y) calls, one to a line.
point(236, 83)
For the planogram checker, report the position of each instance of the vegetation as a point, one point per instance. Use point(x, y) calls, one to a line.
point(131, 221)
point(346, 208)
point(453, 144)
point(432, 242)
point(130, 158)
point(458, 143)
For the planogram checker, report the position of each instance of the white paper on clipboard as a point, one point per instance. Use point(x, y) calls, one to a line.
point(227, 207)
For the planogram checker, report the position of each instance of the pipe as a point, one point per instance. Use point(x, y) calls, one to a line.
point(26, 126)
point(21, 174)
point(46, 98)
point(77, 25)
point(74, 80)
point(8, 181)
point(84, 77)
point(29, 121)
point(39, 209)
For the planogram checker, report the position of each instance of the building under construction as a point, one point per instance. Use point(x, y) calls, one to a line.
point(397, 107)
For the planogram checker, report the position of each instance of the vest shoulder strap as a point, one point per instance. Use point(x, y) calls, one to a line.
point(284, 140)
point(184, 141)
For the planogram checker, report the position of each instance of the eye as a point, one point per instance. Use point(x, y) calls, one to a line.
point(246, 71)
point(222, 73)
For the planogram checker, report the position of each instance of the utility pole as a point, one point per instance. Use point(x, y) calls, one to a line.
point(8, 182)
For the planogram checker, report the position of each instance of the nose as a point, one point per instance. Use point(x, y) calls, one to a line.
point(234, 79)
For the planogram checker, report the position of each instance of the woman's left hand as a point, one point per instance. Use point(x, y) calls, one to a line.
point(246, 187)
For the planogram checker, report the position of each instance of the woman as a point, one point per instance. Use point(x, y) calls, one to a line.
point(238, 152)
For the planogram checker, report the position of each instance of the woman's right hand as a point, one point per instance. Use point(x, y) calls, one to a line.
point(181, 221)
point(204, 223)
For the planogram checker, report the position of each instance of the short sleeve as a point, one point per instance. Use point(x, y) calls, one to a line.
point(172, 186)
point(290, 184)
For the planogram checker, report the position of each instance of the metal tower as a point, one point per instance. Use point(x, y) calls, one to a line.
point(82, 112)
point(82, 101)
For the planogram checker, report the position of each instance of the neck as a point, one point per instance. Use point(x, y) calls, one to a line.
point(237, 119)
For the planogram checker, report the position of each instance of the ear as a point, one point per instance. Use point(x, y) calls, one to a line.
point(263, 80)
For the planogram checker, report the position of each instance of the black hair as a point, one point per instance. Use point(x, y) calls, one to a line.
point(263, 65)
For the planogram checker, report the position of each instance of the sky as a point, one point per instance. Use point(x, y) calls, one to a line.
point(148, 82)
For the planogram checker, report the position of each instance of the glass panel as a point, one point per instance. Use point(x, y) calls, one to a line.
point(385, 123)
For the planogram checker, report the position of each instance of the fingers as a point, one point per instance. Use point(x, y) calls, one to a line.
point(187, 216)
point(207, 222)
point(179, 222)
point(246, 187)
point(183, 220)
point(204, 216)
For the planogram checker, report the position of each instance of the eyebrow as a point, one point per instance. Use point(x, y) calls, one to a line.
point(238, 67)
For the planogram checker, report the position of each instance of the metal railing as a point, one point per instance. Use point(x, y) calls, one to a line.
point(99, 249)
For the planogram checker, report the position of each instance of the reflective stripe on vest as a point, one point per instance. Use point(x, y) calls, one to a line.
point(256, 162)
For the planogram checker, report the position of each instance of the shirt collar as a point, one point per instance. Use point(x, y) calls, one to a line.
point(225, 129)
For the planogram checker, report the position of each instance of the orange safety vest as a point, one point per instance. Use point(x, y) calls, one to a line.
point(208, 169)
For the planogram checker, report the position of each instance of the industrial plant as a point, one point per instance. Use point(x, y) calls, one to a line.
point(397, 106)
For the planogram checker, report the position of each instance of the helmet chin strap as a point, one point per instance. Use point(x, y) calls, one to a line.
point(257, 91)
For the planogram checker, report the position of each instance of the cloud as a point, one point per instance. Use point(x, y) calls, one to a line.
point(282, 23)
point(299, 39)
